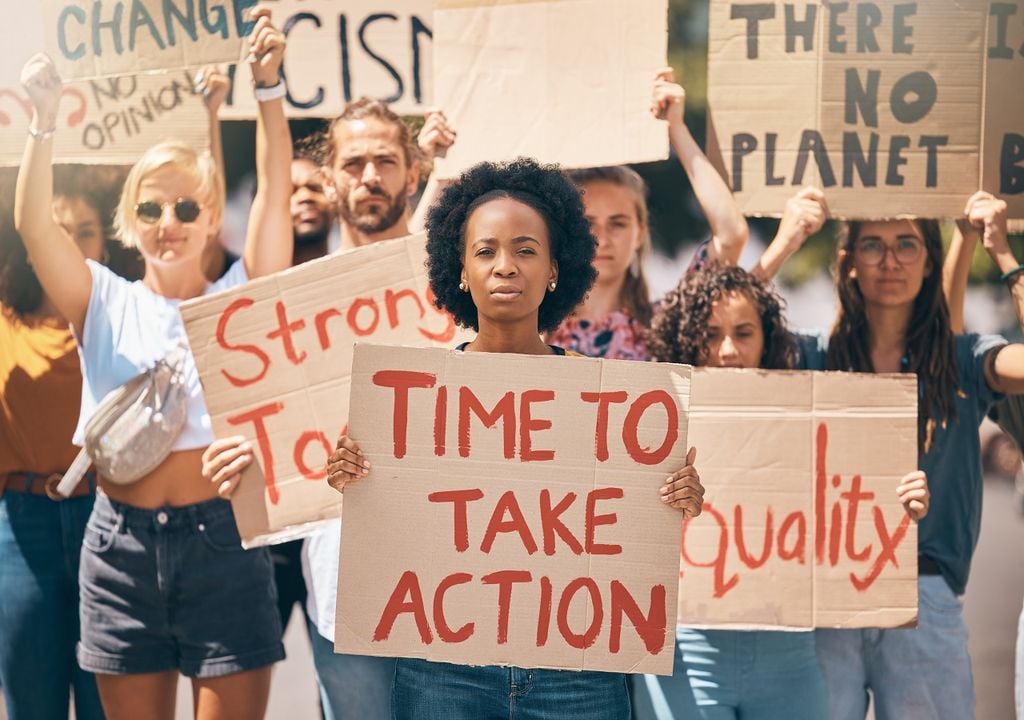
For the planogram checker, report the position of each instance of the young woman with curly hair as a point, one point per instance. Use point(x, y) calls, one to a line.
point(509, 255)
point(727, 317)
point(41, 533)
point(612, 320)
point(166, 587)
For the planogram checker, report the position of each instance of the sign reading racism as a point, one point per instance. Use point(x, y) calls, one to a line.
point(512, 514)
point(573, 87)
point(801, 525)
point(102, 121)
point(342, 50)
point(893, 108)
point(95, 38)
point(275, 357)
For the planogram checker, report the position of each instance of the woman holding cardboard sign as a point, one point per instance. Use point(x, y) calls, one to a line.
point(612, 320)
point(727, 317)
point(893, 317)
point(509, 254)
point(165, 584)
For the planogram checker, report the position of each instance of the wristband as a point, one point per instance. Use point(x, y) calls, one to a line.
point(1010, 274)
point(42, 135)
point(264, 94)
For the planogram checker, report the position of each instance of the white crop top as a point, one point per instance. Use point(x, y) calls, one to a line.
point(128, 328)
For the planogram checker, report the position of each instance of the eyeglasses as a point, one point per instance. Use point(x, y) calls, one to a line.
point(872, 251)
point(151, 211)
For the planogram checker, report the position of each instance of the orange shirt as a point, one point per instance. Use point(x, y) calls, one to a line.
point(40, 393)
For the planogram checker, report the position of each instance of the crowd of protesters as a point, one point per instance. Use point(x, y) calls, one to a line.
point(113, 592)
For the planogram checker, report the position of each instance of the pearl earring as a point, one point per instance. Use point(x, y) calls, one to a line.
point(552, 285)
point(462, 286)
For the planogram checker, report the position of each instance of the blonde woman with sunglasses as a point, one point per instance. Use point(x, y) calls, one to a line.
point(165, 586)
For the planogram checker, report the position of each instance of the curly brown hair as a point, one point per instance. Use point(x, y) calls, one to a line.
point(679, 330)
point(930, 347)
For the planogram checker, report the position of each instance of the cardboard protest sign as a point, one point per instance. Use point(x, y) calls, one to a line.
point(275, 358)
point(882, 104)
point(1004, 105)
point(102, 121)
point(342, 50)
point(512, 514)
point(93, 38)
point(801, 525)
point(563, 81)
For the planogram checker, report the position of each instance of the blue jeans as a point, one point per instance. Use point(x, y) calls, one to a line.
point(40, 542)
point(426, 690)
point(911, 673)
point(729, 674)
point(351, 686)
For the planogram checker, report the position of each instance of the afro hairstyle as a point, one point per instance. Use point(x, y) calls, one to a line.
point(546, 189)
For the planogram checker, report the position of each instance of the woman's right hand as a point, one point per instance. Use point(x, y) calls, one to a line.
point(41, 81)
point(668, 101)
point(224, 461)
point(805, 214)
point(346, 464)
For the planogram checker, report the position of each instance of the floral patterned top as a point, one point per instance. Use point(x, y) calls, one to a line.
point(617, 336)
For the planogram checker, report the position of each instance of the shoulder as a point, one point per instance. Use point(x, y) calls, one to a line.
point(235, 276)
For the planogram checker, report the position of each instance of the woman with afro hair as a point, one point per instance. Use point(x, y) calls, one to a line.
point(509, 255)
point(726, 317)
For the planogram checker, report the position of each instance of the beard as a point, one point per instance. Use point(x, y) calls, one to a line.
point(375, 219)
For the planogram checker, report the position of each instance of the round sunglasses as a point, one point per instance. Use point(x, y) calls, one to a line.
point(185, 210)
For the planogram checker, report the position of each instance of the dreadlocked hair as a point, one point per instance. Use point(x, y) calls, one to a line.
point(679, 331)
point(930, 349)
point(634, 296)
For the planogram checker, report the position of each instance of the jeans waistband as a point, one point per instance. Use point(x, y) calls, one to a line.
point(164, 518)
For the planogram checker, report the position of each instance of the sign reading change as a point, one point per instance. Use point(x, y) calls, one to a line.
point(94, 38)
point(893, 108)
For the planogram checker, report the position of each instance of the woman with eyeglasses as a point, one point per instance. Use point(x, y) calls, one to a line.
point(893, 317)
point(165, 586)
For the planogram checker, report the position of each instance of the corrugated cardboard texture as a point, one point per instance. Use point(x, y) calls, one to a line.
point(391, 527)
point(563, 81)
point(783, 108)
point(342, 50)
point(91, 38)
point(821, 455)
point(296, 382)
point(1003, 168)
point(107, 121)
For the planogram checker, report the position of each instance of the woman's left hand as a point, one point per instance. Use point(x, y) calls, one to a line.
point(987, 214)
point(914, 494)
point(267, 45)
point(683, 490)
point(214, 85)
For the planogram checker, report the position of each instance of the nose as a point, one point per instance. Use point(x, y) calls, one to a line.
point(728, 349)
point(370, 174)
point(168, 218)
point(889, 258)
point(599, 234)
point(504, 264)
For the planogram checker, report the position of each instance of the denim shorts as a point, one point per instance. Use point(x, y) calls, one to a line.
point(172, 589)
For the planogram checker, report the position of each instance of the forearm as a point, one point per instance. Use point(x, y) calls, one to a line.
point(268, 243)
point(728, 226)
point(217, 147)
point(431, 190)
point(772, 260)
point(955, 271)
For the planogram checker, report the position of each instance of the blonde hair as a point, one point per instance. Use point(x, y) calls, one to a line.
point(634, 296)
point(200, 165)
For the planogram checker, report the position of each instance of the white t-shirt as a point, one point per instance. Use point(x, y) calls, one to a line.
point(320, 571)
point(128, 328)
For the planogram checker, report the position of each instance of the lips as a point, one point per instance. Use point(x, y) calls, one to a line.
point(505, 292)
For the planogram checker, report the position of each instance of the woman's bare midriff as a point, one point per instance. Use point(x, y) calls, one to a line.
point(178, 481)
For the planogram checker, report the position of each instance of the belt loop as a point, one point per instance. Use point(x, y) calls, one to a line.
point(30, 479)
point(3, 483)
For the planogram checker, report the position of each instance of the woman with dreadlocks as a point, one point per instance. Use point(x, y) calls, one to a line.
point(724, 316)
point(893, 317)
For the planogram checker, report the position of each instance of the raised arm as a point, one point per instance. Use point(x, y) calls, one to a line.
point(58, 263)
point(986, 214)
point(214, 86)
point(728, 227)
point(804, 215)
point(955, 270)
point(268, 239)
point(434, 139)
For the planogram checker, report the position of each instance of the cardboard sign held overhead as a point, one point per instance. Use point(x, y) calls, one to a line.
point(97, 38)
point(801, 525)
point(275, 358)
point(882, 104)
point(342, 50)
point(562, 81)
point(512, 514)
point(101, 121)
